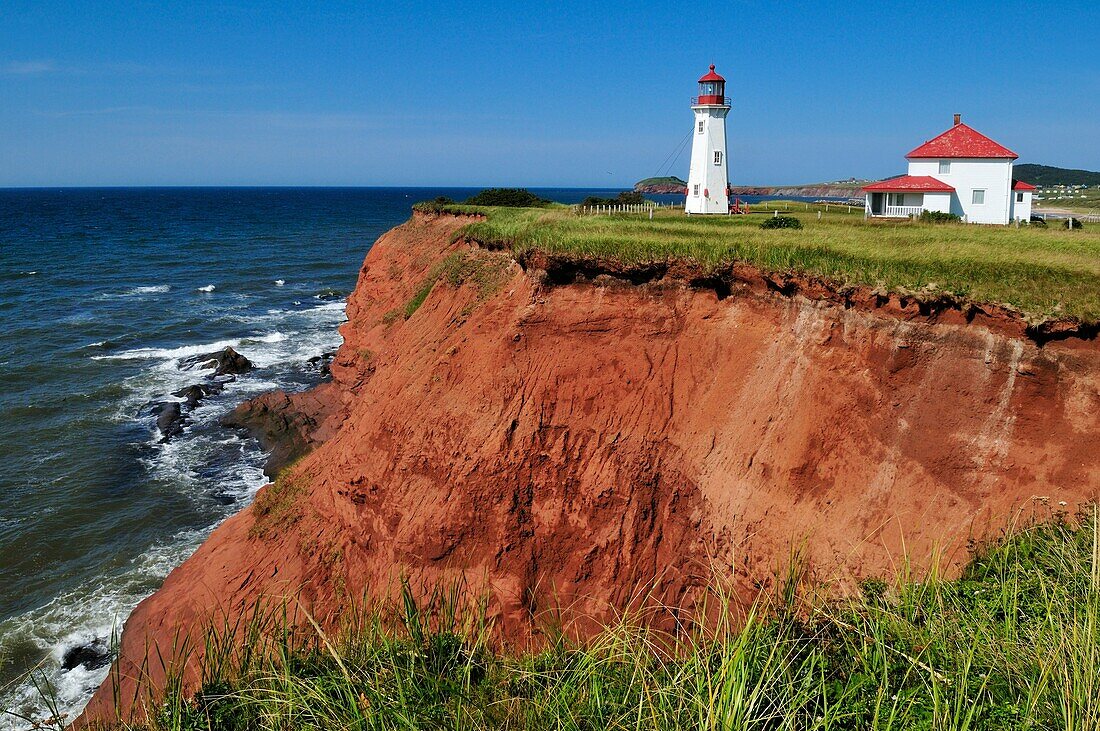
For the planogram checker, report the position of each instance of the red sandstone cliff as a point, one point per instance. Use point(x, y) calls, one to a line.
point(570, 443)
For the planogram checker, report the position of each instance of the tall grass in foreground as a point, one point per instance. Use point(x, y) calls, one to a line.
point(1012, 643)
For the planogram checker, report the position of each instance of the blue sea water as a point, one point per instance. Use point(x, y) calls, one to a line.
point(102, 293)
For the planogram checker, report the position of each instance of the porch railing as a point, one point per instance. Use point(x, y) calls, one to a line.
point(902, 211)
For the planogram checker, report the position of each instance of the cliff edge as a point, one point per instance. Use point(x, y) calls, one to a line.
point(570, 441)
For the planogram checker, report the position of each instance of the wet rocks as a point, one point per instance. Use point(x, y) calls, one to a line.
point(226, 361)
point(193, 394)
point(170, 419)
point(281, 425)
point(323, 362)
point(91, 656)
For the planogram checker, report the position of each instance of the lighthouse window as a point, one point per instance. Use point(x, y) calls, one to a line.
point(695, 191)
point(717, 157)
point(700, 126)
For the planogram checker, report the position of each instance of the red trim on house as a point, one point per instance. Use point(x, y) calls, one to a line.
point(915, 183)
point(961, 141)
point(1021, 185)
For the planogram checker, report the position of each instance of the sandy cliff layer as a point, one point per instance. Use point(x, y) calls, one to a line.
point(568, 443)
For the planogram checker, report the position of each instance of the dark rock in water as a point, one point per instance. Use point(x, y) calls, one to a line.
point(224, 498)
point(196, 393)
point(281, 425)
point(91, 656)
point(222, 361)
point(323, 361)
point(170, 419)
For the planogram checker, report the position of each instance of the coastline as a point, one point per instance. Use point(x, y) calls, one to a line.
point(478, 361)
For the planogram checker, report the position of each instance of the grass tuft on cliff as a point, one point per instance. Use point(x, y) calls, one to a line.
point(1013, 643)
point(1045, 273)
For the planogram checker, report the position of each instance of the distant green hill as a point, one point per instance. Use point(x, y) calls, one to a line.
point(666, 180)
point(1046, 175)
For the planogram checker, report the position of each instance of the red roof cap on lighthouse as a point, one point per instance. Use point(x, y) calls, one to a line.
point(711, 76)
point(962, 141)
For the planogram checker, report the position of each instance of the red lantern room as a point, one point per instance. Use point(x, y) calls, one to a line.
point(712, 88)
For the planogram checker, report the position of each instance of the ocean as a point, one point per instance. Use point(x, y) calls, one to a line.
point(102, 293)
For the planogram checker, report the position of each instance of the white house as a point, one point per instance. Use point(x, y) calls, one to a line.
point(962, 172)
point(708, 179)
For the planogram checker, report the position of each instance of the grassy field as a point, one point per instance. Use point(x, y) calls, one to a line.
point(1084, 202)
point(1013, 643)
point(1043, 272)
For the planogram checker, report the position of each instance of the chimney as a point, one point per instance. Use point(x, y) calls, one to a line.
point(958, 119)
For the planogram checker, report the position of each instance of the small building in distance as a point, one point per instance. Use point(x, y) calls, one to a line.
point(962, 172)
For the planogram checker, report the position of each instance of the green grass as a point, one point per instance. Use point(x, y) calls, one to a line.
point(1013, 643)
point(276, 506)
point(1042, 272)
point(486, 270)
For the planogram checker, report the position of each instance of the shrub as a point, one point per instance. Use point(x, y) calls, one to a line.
point(438, 205)
point(626, 198)
point(939, 217)
point(1038, 221)
point(781, 222)
point(1074, 223)
point(508, 197)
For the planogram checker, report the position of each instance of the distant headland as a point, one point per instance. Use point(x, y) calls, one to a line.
point(671, 185)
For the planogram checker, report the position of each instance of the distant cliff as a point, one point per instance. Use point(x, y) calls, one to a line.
point(675, 186)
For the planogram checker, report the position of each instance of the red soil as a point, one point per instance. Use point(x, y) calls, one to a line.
point(570, 444)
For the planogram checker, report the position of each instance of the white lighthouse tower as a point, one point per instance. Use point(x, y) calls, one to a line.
point(708, 183)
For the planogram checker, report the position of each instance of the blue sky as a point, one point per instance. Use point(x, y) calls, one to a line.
point(571, 94)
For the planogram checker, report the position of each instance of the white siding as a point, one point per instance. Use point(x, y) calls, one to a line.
point(940, 202)
point(1021, 211)
point(711, 179)
point(968, 175)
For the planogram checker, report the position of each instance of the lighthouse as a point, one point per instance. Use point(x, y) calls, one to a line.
point(708, 183)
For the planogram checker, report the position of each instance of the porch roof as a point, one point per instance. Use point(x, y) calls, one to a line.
point(1021, 185)
point(921, 183)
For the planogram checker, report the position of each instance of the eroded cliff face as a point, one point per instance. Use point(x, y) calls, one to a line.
point(568, 444)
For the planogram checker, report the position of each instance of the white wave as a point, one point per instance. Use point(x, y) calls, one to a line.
point(207, 288)
point(280, 282)
point(28, 274)
point(168, 353)
point(155, 289)
point(275, 337)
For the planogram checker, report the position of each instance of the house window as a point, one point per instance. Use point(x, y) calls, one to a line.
point(700, 126)
point(977, 197)
point(695, 191)
point(1019, 197)
point(899, 199)
point(945, 167)
point(717, 157)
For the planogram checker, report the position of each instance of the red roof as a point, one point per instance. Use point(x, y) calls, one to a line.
point(962, 141)
point(1021, 185)
point(711, 76)
point(922, 183)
